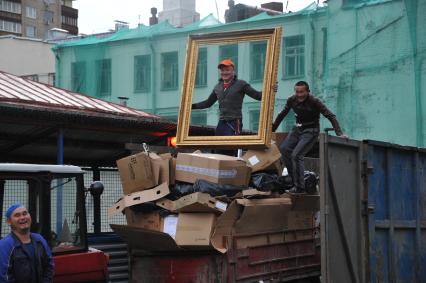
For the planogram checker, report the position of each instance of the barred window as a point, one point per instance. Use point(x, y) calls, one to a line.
point(103, 68)
point(78, 77)
point(201, 74)
point(257, 62)
point(142, 73)
point(169, 71)
point(294, 56)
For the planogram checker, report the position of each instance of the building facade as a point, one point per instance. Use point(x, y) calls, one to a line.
point(27, 57)
point(363, 58)
point(35, 18)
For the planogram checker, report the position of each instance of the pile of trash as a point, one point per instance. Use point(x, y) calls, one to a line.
point(198, 200)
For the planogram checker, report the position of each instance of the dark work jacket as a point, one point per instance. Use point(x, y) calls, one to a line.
point(15, 261)
point(307, 113)
point(230, 100)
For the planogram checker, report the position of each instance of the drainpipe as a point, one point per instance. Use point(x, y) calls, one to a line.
point(59, 193)
point(57, 64)
point(313, 67)
point(153, 78)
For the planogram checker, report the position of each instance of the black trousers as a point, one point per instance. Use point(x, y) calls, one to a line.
point(228, 128)
point(294, 149)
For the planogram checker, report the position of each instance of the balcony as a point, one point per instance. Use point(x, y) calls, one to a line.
point(69, 12)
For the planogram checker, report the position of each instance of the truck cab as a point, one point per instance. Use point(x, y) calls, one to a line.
point(55, 197)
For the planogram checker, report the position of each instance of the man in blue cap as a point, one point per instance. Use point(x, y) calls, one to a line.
point(25, 257)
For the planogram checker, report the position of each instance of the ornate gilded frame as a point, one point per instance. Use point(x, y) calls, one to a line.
point(273, 38)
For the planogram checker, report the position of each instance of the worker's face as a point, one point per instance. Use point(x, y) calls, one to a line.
point(301, 92)
point(227, 73)
point(20, 220)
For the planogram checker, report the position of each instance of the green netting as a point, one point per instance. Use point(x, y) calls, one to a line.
point(364, 58)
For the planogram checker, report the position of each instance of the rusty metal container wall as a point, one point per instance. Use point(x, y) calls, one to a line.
point(396, 213)
point(295, 259)
point(373, 214)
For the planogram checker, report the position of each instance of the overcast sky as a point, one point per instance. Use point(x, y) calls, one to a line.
point(99, 15)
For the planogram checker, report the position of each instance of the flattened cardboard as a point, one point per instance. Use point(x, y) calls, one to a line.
point(261, 159)
point(136, 173)
point(153, 241)
point(195, 229)
point(195, 202)
point(255, 192)
point(138, 198)
point(216, 168)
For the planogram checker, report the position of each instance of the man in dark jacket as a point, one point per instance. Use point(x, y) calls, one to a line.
point(303, 136)
point(25, 257)
point(230, 93)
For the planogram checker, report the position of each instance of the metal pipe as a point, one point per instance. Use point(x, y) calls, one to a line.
point(59, 191)
point(96, 203)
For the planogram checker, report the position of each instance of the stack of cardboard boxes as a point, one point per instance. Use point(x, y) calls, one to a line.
point(158, 221)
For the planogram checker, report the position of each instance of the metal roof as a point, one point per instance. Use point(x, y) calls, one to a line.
point(14, 89)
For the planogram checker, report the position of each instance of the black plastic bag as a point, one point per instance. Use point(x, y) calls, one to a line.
point(311, 181)
point(182, 189)
point(214, 189)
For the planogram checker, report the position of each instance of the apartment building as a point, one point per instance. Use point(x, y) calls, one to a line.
point(35, 18)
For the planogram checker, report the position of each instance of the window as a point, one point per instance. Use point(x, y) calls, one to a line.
point(10, 26)
point(103, 68)
point(31, 12)
point(294, 56)
point(258, 56)
point(31, 77)
point(48, 17)
point(198, 117)
point(9, 6)
point(142, 73)
point(169, 71)
point(69, 21)
point(78, 77)
point(201, 75)
point(254, 119)
point(30, 31)
point(51, 78)
point(229, 52)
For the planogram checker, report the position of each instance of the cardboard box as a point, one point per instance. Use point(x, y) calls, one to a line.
point(160, 168)
point(195, 202)
point(139, 198)
point(217, 168)
point(136, 173)
point(253, 219)
point(195, 229)
point(150, 220)
point(261, 159)
point(172, 166)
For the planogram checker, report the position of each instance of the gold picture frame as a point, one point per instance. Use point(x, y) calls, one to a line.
point(272, 36)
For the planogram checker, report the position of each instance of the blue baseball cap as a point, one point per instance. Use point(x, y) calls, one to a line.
point(12, 208)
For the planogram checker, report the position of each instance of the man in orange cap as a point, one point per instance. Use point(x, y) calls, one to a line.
point(230, 93)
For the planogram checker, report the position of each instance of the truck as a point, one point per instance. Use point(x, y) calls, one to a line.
point(55, 197)
point(372, 228)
